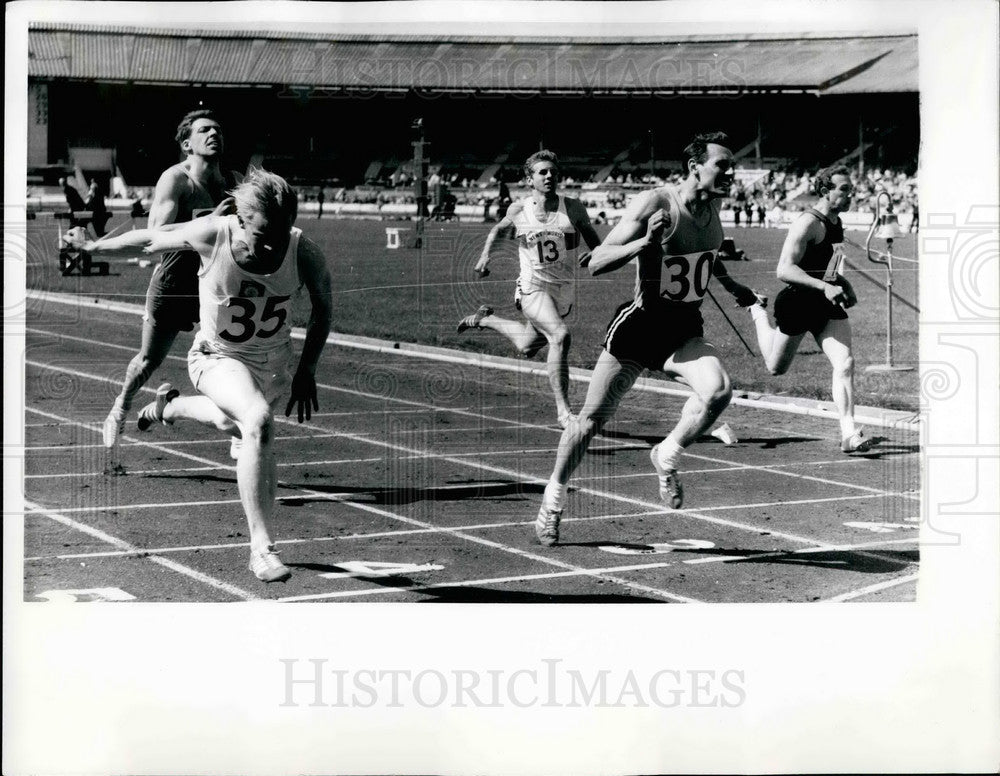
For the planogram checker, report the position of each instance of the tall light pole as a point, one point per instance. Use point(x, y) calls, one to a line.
point(419, 180)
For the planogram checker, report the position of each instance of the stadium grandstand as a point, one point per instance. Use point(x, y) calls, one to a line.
point(339, 110)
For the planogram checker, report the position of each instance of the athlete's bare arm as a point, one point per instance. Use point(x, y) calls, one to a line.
point(504, 225)
point(316, 278)
point(580, 219)
point(805, 231)
point(639, 229)
point(171, 188)
point(744, 295)
point(198, 235)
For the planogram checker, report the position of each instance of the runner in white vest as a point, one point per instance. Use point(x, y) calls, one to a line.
point(252, 265)
point(548, 228)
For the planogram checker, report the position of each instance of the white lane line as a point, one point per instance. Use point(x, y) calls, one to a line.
point(129, 441)
point(387, 589)
point(368, 440)
point(665, 594)
point(123, 545)
point(877, 587)
point(884, 418)
point(323, 539)
point(797, 476)
point(636, 502)
point(858, 549)
point(498, 470)
point(195, 469)
point(714, 469)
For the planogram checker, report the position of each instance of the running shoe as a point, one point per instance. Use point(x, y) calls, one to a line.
point(671, 491)
point(153, 412)
point(473, 321)
point(114, 426)
point(858, 442)
point(547, 525)
point(266, 566)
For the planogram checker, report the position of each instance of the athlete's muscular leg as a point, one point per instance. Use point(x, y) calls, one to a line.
point(697, 362)
point(835, 342)
point(156, 343)
point(522, 334)
point(611, 380)
point(777, 348)
point(232, 388)
point(541, 311)
point(202, 410)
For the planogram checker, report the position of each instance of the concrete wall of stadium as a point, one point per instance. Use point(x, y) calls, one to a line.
point(314, 136)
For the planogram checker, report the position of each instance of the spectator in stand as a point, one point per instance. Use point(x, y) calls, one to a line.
point(740, 201)
point(760, 212)
point(320, 199)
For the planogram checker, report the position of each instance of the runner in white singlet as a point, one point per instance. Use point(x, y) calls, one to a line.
point(252, 264)
point(547, 228)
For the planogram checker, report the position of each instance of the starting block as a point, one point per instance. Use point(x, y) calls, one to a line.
point(392, 239)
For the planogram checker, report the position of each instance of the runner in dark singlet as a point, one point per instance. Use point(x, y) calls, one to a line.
point(816, 298)
point(192, 188)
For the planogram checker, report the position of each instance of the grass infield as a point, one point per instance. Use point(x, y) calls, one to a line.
point(419, 296)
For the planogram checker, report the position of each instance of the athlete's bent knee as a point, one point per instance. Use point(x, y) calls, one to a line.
point(845, 367)
point(720, 396)
point(588, 425)
point(257, 425)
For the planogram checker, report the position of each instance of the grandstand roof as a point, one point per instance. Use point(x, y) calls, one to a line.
point(351, 62)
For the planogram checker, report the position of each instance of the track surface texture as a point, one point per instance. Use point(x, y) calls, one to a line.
point(418, 481)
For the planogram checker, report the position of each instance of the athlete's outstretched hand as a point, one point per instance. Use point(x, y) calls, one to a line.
point(303, 394)
point(481, 268)
point(75, 238)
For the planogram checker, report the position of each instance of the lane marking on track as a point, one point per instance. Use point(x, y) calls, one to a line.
point(482, 467)
point(384, 590)
point(322, 539)
point(443, 530)
point(513, 473)
point(139, 552)
point(362, 438)
point(877, 587)
point(714, 469)
point(130, 441)
point(882, 418)
point(121, 544)
point(195, 469)
point(851, 548)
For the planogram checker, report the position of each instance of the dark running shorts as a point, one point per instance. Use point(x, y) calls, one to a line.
point(798, 310)
point(650, 337)
point(172, 296)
